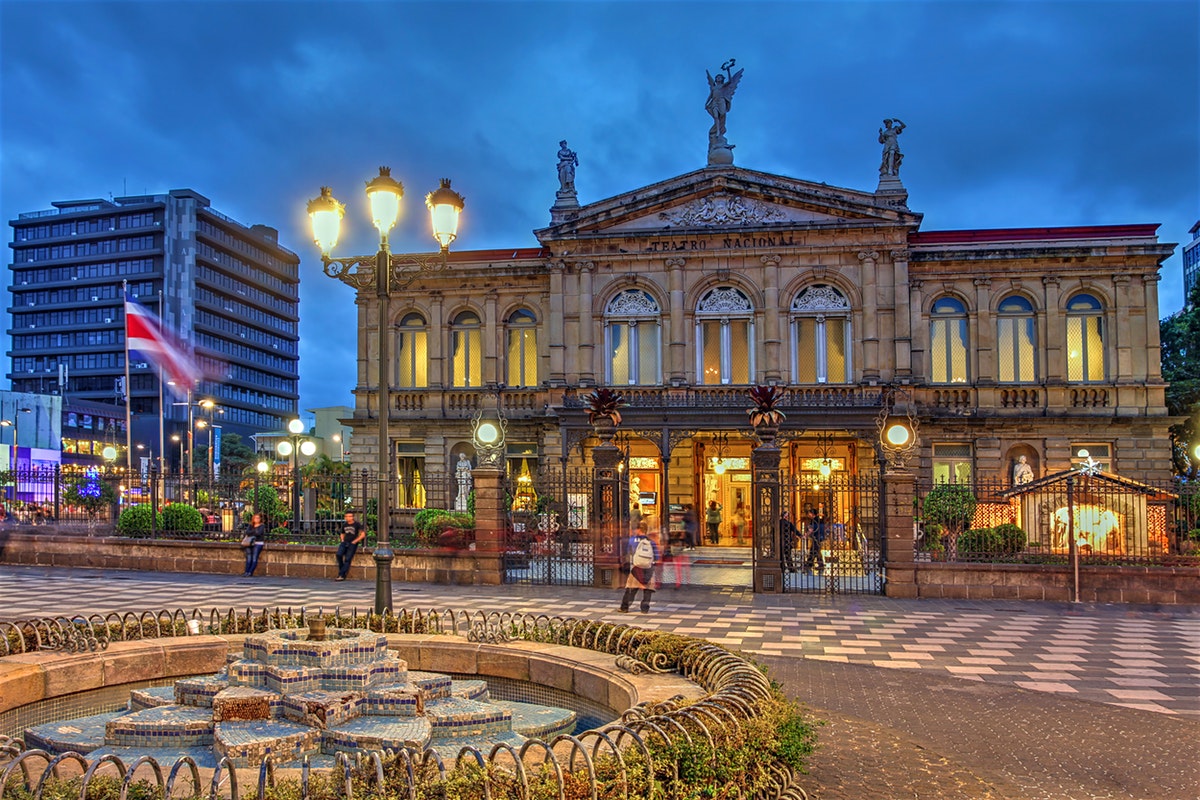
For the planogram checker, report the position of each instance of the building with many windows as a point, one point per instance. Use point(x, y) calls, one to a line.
point(1001, 344)
point(1191, 262)
point(230, 291)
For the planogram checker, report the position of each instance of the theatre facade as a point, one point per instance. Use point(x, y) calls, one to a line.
point(997, 344)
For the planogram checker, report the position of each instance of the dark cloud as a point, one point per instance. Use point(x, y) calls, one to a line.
point(1019, 114)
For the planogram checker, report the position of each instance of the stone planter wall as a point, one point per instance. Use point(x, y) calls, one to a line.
point(48, 548)
point(1097, 584)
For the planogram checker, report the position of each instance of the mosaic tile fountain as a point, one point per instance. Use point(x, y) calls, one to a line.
point(292, 696)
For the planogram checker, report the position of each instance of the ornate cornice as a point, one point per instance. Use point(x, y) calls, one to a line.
point(721, 210)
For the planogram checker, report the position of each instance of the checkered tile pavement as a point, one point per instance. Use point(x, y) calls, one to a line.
point(1125, 656)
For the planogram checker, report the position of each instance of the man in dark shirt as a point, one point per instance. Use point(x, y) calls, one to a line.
point(816, 535)
point(353, 534)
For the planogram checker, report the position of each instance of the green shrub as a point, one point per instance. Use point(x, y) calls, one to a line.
point(950, 505)
point(181, 517)
point(281, 533)
point(1012, 538)
point(136, 521)
point(981, 541)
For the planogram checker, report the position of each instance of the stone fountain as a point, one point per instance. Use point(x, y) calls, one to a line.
point(304, 693)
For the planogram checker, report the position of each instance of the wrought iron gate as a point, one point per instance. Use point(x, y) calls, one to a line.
point(849, 560)
point(550, 538)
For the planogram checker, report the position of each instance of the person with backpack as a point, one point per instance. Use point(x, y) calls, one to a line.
point(643, 556)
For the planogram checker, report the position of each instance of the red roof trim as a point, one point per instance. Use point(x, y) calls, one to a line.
point(1031, 234)
point(513, 254)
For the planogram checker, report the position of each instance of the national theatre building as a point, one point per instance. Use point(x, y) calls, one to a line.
point(685, 294)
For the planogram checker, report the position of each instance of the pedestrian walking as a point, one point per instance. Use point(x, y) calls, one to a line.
point(691, 527)
point(353, 534)
point(253, 543)
point(738, 522)
point(643, 556)
point(712, 519)
point(788, 536)
point(680, 562)
point(816, 537)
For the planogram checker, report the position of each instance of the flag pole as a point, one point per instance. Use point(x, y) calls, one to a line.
point(162, 411)
point(128, 385)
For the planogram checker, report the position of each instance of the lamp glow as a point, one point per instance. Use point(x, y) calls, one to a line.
point(384, 193)
point(284, 448)
point(825, 469)
point(325, 215)
point(308, 447)
point(261, 466)
point(487, 433)
point(719, 467)
point(897, 434)
point(445, 205)
point(109, 453)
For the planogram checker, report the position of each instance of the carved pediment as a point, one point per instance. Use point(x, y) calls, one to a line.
point(726, 200)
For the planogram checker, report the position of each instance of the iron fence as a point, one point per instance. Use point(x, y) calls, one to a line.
point(846, 555)
point(550, 538)
point(1105, 519)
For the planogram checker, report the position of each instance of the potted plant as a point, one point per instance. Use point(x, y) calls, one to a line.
point(765, 412)
point(604, 407)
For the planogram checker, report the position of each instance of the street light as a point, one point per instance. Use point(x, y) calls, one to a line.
point(260, 469)
point(175, 437)
point(383, 272)
point(294, 446)
point(337, 437)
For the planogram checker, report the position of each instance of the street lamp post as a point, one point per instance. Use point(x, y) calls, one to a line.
point(337, 437)
point(294, 446)
point(383, 272)
point(175, 437)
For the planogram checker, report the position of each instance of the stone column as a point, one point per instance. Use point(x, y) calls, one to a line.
point(918, 330)
point(867, 260)
point(985, 334)
point(902, 301)
point(764, 463)
point(606, 532)
point(490, 525)
point(1054, 333)
point(677, 363)
point(587, 364)
point(1117, 320)
point(772, 344)
point(435, 338)
point(898, 490)
point(553, 329)
point(1153, 341)
point(492, 343)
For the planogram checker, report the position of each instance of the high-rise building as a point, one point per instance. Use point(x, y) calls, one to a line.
point(1191, 262)
point(231, 292)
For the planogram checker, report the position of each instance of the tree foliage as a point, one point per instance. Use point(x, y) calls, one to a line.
point(1180, 335)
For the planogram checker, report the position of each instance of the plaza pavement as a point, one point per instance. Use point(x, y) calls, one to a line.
point(920, 698)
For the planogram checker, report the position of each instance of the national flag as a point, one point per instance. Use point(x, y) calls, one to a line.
point(146, 335)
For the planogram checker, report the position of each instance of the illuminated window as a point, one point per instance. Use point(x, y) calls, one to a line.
point(820, 336)
point(725, 333)
point(412, 356)
point(948, 341)
point(1085, 340)
point(466, 351)
point(1100, 454)
point(522, 349)
point(1015, 341)
point(632, 333)
point(952, 463)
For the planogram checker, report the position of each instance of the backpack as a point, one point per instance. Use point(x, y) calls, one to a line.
point(643, 554)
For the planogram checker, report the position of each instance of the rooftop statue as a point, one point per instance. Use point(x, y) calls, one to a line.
point(891, 148)
point(567, 162)
point(720, 99)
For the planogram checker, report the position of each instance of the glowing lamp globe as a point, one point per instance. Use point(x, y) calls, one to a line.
point(897, 434)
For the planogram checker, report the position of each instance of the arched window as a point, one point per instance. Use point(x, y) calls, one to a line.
point(1085, 339)
point(632, 334)
point(821, 336)
point(412, 353)
point(948, 341)
point(522, 349)
point(466, 351)
point(724, 333)
point(1016, 341)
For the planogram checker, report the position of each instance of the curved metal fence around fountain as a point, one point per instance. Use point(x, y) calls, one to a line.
point(629, 750)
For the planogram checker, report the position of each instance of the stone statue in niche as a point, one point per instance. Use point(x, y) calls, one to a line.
point(888, 135)
point(567, 162)
point(462, 473)
point(1022, 472)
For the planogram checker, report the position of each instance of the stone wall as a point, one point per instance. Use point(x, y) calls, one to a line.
point(50, 549)
point(1097, 584)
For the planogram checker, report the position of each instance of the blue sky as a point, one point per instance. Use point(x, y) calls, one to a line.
point(1019, 114)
